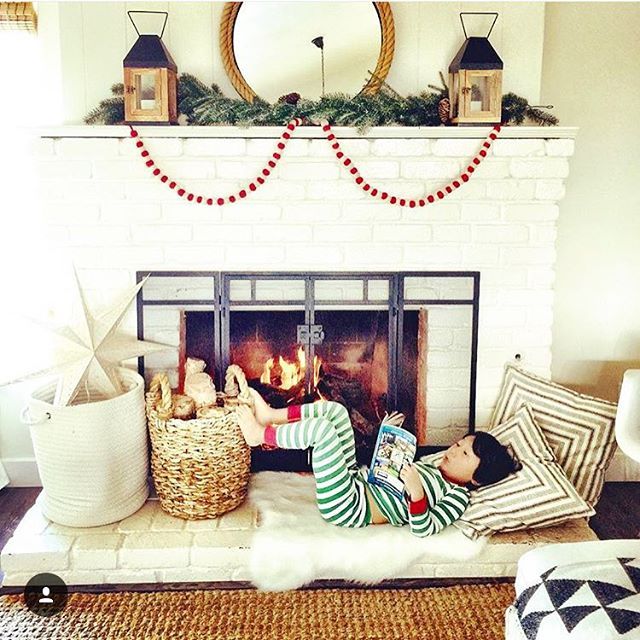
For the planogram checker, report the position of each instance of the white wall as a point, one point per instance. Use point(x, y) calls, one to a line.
point(591, 73)
point(94, 37)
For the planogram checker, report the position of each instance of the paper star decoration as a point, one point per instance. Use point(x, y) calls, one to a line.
point(87, 353)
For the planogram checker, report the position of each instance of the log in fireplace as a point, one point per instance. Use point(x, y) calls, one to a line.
point(373, 341)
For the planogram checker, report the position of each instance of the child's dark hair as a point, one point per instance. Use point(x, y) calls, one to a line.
point(497, 461)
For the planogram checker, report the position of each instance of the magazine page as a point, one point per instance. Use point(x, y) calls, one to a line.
point(394, 449)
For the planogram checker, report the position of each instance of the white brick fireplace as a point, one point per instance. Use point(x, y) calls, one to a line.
point(103, 207)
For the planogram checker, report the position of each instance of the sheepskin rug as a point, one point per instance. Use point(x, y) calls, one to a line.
point(294, 546)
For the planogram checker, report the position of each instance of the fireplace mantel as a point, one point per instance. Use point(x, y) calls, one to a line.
point(119, 131)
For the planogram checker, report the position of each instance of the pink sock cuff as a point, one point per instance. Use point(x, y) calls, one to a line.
point(270, 435)
point(294, 412)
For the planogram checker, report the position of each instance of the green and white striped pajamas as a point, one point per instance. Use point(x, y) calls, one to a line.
point(340, 485)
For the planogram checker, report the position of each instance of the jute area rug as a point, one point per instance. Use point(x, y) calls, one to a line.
point(464, 612)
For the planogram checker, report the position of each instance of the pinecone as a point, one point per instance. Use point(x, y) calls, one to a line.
point(444, 107)
point(290, 98)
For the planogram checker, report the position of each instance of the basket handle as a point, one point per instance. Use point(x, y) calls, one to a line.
point(159, 396)
point(235, 384)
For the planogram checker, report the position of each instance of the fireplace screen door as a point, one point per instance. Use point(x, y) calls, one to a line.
point(374, 342)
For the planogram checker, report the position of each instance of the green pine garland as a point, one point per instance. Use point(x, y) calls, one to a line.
point(203, 105)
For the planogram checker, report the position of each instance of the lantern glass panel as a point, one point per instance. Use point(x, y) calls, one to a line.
point(454, 95)
point(145, 90)
point(479, 94)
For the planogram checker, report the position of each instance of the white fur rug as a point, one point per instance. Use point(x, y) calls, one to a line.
point(294, 545)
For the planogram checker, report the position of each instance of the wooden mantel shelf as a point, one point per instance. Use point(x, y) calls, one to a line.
point(119, 131)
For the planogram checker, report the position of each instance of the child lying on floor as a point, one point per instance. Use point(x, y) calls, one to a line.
point(435, 496)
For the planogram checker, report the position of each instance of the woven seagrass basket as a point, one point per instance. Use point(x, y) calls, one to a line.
point(200, 467)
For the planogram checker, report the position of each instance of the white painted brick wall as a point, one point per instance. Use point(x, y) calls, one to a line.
point(104, 206)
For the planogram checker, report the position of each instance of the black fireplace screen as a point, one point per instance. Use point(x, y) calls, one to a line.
point(375, 342)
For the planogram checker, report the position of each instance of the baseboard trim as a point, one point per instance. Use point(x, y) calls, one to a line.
point(22, 472)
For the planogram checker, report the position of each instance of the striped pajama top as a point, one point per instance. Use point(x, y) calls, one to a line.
point(446, 502)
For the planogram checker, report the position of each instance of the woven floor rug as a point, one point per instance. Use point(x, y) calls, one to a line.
point(464, 612)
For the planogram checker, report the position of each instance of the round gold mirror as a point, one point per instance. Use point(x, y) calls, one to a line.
point(270, 49)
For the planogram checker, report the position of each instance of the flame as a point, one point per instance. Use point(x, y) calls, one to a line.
point(290, 373)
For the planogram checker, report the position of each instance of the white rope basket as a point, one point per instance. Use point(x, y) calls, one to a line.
point(93, 457)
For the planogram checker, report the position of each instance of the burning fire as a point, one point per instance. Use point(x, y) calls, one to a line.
point(290, 373)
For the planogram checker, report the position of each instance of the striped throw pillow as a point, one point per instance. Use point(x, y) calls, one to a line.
point(578, 428)
point(539, 495)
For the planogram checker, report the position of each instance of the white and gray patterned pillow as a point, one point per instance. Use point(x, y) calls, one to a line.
point(578, 428)
point(539, 495)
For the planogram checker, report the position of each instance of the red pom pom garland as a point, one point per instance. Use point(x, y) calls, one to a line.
point(353, 171)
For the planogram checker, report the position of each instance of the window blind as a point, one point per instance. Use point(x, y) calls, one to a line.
point(17, 16)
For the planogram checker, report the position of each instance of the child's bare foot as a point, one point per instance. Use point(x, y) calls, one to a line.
point(262, 409)
point(252, 430)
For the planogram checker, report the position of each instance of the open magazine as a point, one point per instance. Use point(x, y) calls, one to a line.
point(395, 448)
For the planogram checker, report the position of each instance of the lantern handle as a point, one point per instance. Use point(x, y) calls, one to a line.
point(166, 17)
point(478, 13)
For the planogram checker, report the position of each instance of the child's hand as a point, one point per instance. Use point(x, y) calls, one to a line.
point(409, 475)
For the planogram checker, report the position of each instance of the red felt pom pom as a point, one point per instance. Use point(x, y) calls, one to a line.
point(209, 201)
point(232, 198)
point(277, 156)
point(134, 133)
point(339, 154)
point(280, 145)
point(335, 145)
point(353, 171)
point(190, 197)
point(156, 172)
point(326, 127)
point(412, 204)
point(172, 185)
point(271, 163)
point(266, 172)
point(290, 127)
point(470, 169)
point(366, 187)
point(260, 180)
point(331, 136)
point(486, 145)
point(164, 178)
point(181, 192)
point(431, 199)
point(393, 200)
point(402, 202)
point(220, 201)
point(199, 199)
point(493, 136)
point(465, 177)
point(243, 194)
point(347, 162)
point(286, 135)
point(498, 127)
point(476, 161)
point(448, 189)
point(252, 187)
point(440, 195)
point(374, 192)
point(421, 203)
point(456, 184)
point(483, 153)
point(144, 153)
point(149, 163)
point(359, 180)
point(384, 195)
point(139, 144)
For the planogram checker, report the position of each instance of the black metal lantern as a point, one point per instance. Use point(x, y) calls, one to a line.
point(150, 79)
point(475, 80)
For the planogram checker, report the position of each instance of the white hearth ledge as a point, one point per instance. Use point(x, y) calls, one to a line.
point(164, 131)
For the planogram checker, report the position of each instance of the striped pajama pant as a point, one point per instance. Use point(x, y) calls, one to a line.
point(340, 491)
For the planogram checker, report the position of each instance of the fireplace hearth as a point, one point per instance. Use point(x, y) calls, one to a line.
point(374, 342)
